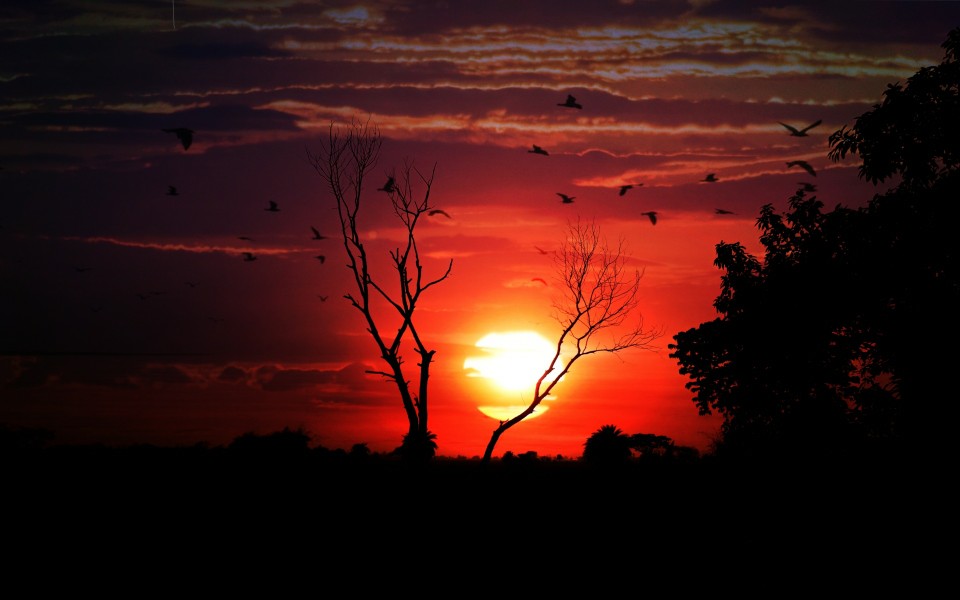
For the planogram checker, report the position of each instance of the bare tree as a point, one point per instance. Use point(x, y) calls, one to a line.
point(599, 293)
point(347, 157)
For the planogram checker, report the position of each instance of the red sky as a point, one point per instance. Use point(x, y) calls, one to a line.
point(670, 91)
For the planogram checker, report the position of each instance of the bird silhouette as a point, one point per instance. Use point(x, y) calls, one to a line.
point(273, 207)
point(570, 102)
point(538, 150)
point(389, 186)
point(629, 186)
point(244, 238)
point(172, 191)
point(800, 132)
point(652, 214)
point(322, 298)
point(723, 211)
point(321, 258)
point(249, 257)
point(541, 250)
point(802, 164)
point(710, 178)
point(437, 211)
point(316, 233)
point(190, 283)
point(540, 280)
point(807, 186)
point(183, 134)
point(565, 198)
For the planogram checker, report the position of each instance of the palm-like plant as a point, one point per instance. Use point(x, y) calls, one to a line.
point(607, 446)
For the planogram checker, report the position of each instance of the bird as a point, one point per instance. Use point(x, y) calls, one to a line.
point(83, 269)
point(804, 165)
point(389, 186)
point(710, 178)
point(244, 238)
point(191, 284)
point(723, 211)
point(807, 186)
point(437, 211)
point(570, 102)
point(172, 191)
point(540, 280)
point(652, 214)
point(183, 134)
point(538, 150)
point(249, 257)
point(565, 198)
point(316, 233)
point(321, 258)
point(629, 186)
point(541, 250)
point(273, 207)
point(800, 132)
point(322, 298)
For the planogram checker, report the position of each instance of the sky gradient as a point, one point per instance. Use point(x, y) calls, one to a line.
point(131, 316)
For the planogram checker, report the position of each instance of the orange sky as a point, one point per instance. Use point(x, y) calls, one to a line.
point(136, 319)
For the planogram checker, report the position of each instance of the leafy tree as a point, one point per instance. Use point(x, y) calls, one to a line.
point(344, 162)
point(835, 339)
point(607, 446)
point(599, 293)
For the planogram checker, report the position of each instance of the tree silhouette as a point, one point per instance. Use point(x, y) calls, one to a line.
point(607, 446)
point(598, 293)
point(834, 342)
point(348, 156)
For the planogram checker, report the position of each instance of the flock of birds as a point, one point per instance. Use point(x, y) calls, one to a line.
point(185, 137)
point(571, 102)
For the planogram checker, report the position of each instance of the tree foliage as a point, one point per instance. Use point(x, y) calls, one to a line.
point(347, 157)
point(836, 338)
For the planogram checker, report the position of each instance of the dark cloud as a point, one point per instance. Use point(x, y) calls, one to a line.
point(212, 51)
point(232, 374)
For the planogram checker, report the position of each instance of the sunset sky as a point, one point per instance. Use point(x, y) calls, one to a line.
point(130, 315)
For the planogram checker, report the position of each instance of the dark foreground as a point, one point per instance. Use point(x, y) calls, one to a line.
point(140, 510)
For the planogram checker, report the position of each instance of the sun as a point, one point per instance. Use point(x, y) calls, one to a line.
point(511, 361)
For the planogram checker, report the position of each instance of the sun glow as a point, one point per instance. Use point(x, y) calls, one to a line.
point(512, 362)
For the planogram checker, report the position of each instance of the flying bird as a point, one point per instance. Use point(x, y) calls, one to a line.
point(322, 298)
point(273, 207)
point(723, 211)
point(316, 233)
point(437, 211)
point(570, 102)
point(539, 279)
point(389, 186)
point(807, 186)
point(538, 150)
point(172, 191)
point(565, 198)
point(630, 186)
point(710, 178)
point(183, 134)
point(249, 257)
point(802, 164)
point(244, 238)
point(800, 132)
point(191, 284)
point(541, 250)
point(321, 258)
point(652, 214)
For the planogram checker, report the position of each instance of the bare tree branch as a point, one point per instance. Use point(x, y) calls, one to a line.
point(599, 293)
point(346, 158)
